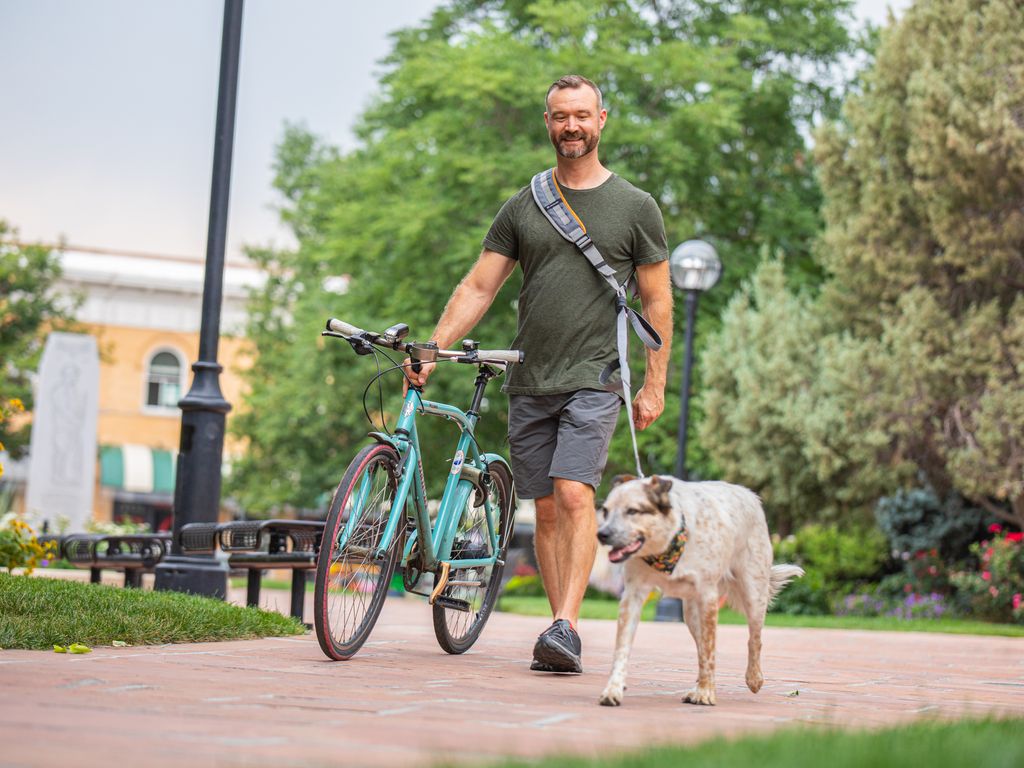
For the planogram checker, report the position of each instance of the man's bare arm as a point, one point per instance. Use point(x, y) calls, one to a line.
point(656, 297)
point(468, 303)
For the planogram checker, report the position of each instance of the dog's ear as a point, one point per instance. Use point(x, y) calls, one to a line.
point(658, 489)
point(620, 479)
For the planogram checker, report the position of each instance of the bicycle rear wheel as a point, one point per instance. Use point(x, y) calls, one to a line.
point(351, 580)
point(475, 590)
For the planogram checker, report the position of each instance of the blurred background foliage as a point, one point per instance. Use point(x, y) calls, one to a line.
point(861, 365)
point(710, 106)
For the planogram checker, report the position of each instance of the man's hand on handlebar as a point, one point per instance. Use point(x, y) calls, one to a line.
point(420, 378)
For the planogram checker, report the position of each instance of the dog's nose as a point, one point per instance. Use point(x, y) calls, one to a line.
point(603, 535)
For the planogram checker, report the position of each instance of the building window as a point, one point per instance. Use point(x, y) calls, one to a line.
point(163, 380)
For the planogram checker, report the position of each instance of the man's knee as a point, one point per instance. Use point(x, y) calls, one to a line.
point(573, 497)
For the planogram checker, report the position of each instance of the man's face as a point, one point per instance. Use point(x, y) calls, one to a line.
point(574, 122)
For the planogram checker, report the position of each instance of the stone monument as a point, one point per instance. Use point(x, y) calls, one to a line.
point(62, 472)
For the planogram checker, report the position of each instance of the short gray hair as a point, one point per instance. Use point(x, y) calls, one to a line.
point(574, 81)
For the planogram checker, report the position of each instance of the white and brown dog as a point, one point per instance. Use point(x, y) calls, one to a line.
point(700, 542)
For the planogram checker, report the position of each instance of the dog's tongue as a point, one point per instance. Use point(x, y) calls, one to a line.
point(621, 553)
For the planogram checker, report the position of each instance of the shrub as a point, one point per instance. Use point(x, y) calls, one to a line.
point(918, 521)
point(994, 590)
point(19, 547)
point(836, 562)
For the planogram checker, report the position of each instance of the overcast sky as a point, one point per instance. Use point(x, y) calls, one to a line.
point(109, 106)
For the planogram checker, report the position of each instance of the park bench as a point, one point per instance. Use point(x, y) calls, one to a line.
point(134, 554)
point(259, 545)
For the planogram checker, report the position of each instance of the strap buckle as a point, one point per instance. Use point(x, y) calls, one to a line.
point(584, 242)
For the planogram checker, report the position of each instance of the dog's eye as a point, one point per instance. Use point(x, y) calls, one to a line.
point(631, 511)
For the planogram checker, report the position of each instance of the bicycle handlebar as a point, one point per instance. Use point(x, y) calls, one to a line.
point(496, 356)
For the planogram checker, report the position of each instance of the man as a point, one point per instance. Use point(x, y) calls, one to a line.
point(560, 419)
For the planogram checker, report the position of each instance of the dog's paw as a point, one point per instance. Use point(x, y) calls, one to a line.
point(612, 695)
point(700, 696)
point(754, 680)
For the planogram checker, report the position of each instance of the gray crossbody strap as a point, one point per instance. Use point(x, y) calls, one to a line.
point(563, 218)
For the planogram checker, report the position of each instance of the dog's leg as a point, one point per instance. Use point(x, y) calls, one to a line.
point(754, 595)
point(701, 615)
point(630, 607)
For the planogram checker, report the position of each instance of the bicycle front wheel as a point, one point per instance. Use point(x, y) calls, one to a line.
point(465, 604)
point(352, 579)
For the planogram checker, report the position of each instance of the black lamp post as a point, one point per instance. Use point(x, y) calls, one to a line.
point(695, 268)
point(204, 409)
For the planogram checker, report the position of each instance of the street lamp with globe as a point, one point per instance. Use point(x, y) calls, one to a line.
point(695, 268)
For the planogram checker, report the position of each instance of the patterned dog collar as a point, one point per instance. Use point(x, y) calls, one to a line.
point(667, 560)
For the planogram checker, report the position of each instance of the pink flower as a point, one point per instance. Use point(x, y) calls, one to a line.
point(993, 591)
point(932, 570)
point(995, 528)
point(1016, 601)
point(985, 575)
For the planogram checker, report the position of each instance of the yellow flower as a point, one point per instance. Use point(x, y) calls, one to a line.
point(16, 404)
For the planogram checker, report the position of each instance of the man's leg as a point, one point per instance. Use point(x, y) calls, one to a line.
point(576, 544)
point(547, 539)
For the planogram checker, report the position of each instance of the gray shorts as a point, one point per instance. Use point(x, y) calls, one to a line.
point(564, 435)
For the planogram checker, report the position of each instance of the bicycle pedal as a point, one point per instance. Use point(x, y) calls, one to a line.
point(453, 603)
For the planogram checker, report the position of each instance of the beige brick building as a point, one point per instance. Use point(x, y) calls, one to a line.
point(144, 311)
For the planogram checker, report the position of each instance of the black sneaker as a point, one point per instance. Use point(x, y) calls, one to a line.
point(558, 647)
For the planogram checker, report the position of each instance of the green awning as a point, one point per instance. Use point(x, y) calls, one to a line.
point(137, 468)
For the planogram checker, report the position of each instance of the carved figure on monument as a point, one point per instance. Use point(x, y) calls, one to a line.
point(69, 414)
point(62, 454)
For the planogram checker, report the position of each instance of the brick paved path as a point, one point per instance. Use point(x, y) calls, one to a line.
point(401, 701)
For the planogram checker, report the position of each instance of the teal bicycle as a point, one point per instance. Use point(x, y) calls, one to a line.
point(379, 520)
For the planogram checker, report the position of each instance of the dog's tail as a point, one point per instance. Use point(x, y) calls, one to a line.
point(781, 576)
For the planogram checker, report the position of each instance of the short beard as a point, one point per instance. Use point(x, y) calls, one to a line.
point(589, 144)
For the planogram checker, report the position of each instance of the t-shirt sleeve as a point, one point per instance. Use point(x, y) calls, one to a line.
point(501, 237)
point(650, 245)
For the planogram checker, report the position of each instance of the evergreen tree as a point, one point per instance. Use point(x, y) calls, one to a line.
point(918, 368)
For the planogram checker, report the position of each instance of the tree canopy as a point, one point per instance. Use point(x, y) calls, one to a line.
point(911, 368)
point(708, 103)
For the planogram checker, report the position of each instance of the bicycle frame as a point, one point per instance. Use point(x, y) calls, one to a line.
point(435, 541)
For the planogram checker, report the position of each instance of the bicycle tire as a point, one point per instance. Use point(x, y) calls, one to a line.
point(456, 631)
point(350, 584)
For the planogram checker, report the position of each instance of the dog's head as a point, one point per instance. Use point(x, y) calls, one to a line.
point(638, 517)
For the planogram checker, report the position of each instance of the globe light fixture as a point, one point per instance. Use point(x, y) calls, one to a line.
point(695, 266)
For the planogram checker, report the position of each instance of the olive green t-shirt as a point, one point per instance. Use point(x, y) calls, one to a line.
point(566, 309)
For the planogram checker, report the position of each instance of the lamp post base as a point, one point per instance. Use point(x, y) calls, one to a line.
point(197, 575)
point(669, 609)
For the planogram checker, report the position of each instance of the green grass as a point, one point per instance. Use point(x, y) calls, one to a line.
point(38, 613)
point(609, 609)
point(979, 744)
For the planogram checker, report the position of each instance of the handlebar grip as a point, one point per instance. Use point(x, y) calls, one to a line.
point(340, 326)
point(501, 355)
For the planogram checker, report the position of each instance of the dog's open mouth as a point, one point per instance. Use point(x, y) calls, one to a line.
point(618, 554)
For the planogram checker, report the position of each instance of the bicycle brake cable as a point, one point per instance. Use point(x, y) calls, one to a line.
point(380, 374)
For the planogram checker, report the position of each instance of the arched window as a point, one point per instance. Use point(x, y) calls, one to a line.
point(163, 380)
